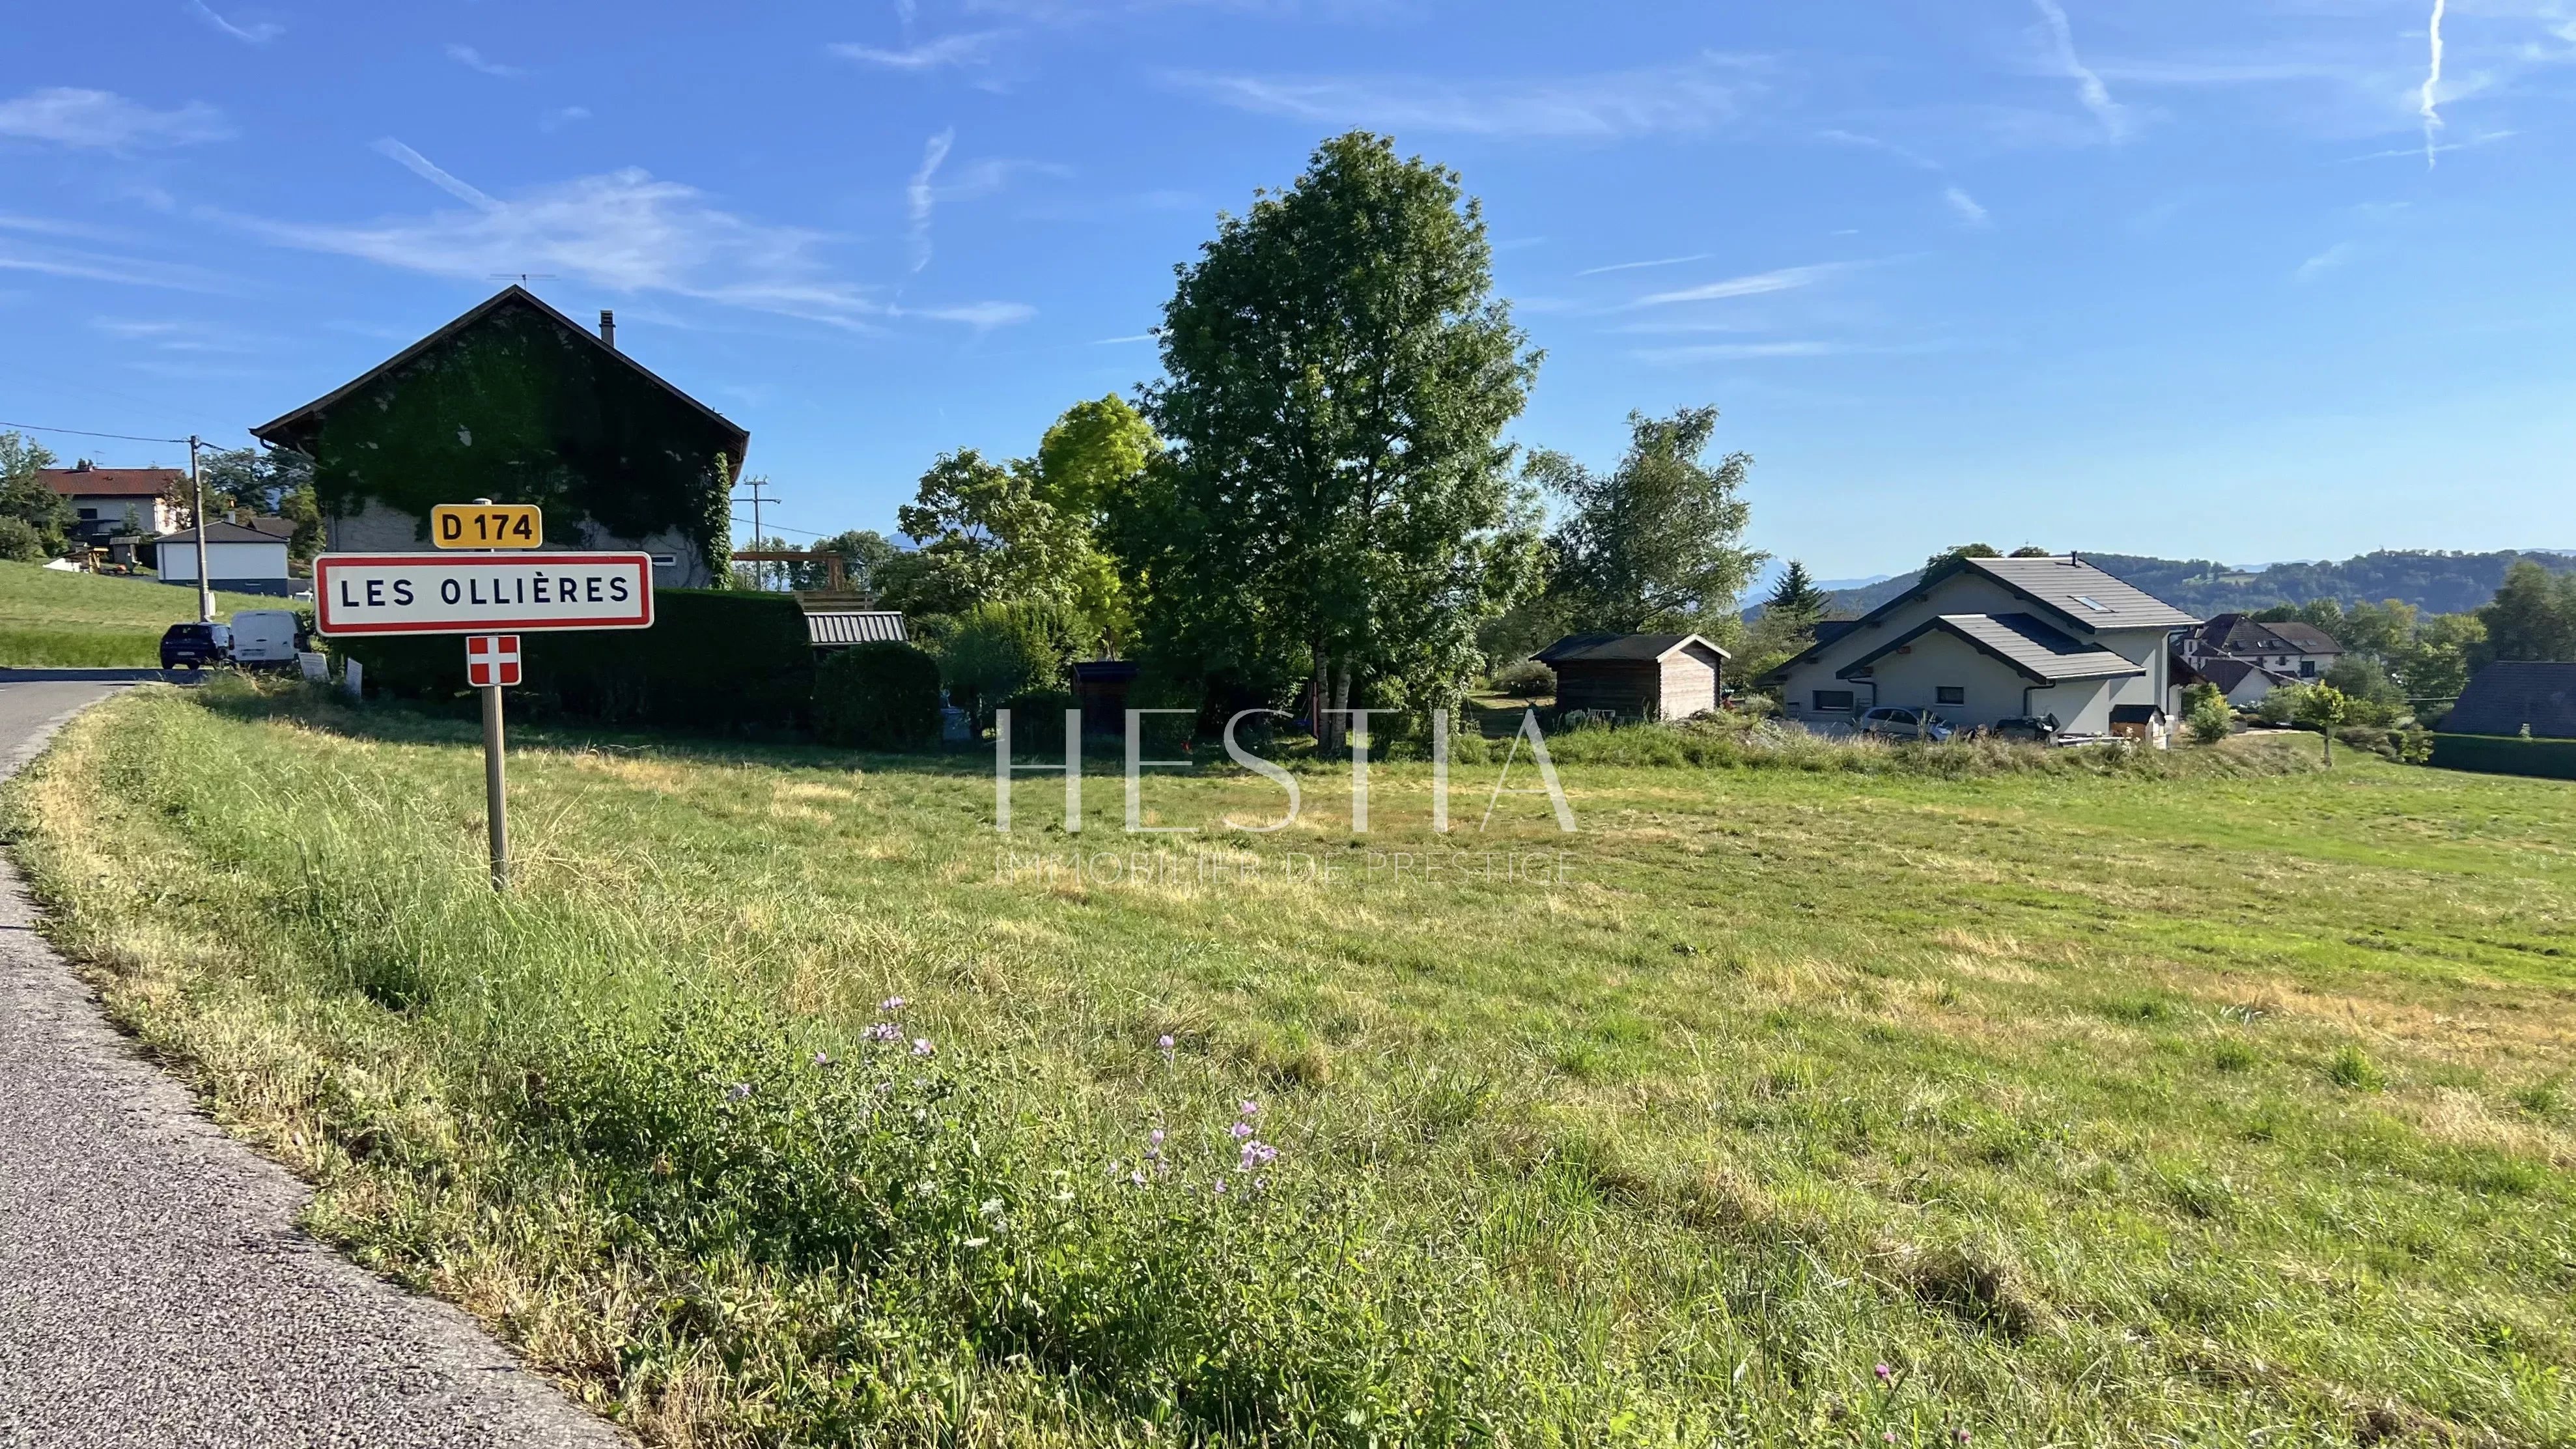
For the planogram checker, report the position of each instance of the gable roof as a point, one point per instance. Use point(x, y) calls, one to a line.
point(220, 530)
point(294, 429)
point(1609, 648)
point(113, 482)
point(2237, 634)
point(2078, 590)
point(2227, 671)
point(2507, 695)
point(2023, 641)
point(2059, 587)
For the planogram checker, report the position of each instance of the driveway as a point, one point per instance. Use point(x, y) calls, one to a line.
point(154, 1290)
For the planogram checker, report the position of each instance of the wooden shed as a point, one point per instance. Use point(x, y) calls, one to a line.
point(1636, 676)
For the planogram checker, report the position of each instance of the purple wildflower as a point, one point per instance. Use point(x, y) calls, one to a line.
point(1252, 1109)
point(1155, 1136)
point(822, 1059)
point(1258, 1154)
point(1963, 1436)
point(1885, 1373)
point(921, 1046)
point(1165, 1043)
point(883, 1031)
point(892, 1004)
point(1219, 1189)
point(1137, 1177)
point(738, 1092)
point(1240, 1130)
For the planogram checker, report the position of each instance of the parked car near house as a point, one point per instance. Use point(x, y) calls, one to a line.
point(1896, 722)
point(2030, 729)
point(194, 646)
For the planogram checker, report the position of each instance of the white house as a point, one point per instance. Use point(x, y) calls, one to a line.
point(107, 502)
point(2248, 658)
point(2243, 681)
point(240, 560)
point(1981, 640)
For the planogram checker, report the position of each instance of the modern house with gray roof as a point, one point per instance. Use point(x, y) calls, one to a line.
point(1979, 640)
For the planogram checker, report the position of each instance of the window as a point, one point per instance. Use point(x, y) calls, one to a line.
point(1833, 701)
point(1950, 694)
point(2096, 605)
point(89, 513)
point(2307, 669)
point(666, 560)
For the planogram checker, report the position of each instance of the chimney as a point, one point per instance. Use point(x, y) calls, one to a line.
point(608, 327)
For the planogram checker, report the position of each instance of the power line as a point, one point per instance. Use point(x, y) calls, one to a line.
point(78, 433)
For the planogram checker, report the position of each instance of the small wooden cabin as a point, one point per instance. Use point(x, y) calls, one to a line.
point(1636, 676)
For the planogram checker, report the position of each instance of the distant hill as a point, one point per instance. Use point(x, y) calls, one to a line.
point(2437, 583)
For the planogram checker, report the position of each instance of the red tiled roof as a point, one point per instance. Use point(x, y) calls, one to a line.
point(113, 482)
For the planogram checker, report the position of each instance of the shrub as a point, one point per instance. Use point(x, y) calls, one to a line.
point(1037, 721)
point(19, 541)
point(2210, 720)
point(878, 696)
point(2350, 1068)
point(1000, 650)
point(1528, 679)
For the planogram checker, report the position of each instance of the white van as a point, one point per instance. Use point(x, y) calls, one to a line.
point(265, 638)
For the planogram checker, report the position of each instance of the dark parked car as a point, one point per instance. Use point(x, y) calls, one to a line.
point(194, 646)
point(1897, 723)
point(2033, 729)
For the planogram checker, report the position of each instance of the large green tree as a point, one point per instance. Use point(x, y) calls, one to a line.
point(2533, 616)
point(24, 495)
point(1796, 595)
point(1338, 499)
point(987, 534)
point(1658, 542)
point(269, 482)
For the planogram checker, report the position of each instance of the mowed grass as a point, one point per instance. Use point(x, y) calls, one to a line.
point(2219, 1100)
point(89, 620)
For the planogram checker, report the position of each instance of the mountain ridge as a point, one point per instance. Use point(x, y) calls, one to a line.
point(2433, 580)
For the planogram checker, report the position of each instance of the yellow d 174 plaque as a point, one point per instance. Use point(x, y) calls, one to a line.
point(487, 525)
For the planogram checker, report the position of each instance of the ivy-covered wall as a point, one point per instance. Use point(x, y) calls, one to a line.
point(520, 408)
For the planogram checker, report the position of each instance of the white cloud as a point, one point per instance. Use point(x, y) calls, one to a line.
point(472, 59)
point(920, 197)
point(1693, 96)
point(422, 167)
point(1784, 279)
point(2088, 86)
point(257, 33)
point(1116, 341)
point(2323, 262)
point(1633, 266)
point(625, 231)
point(1965, 206)
point(55, 261)
point(562, 116)
point(966, 49)
point(103, 120)
point(2429, 100)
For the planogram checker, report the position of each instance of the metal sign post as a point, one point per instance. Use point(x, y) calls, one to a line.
point(477, 594)
point(492, 665)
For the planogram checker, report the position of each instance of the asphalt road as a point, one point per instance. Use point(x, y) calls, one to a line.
point(154, 1290)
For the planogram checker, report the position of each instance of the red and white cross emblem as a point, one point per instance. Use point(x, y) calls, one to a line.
point(491, 659)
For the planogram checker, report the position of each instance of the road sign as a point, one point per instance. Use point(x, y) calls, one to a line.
point(487, 525)
point(470, 593)
point(492, 660)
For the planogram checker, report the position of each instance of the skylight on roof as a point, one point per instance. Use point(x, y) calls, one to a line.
point(2096, 605)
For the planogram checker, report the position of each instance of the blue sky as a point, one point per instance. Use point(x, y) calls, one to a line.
point(2230, 278)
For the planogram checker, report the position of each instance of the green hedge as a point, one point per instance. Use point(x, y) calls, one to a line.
point(713, 660)
point(878, 696)
point(2506, 755)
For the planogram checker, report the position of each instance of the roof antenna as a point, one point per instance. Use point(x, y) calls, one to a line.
point(522, 278)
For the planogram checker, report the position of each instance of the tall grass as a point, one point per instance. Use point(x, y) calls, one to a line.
point(764, 1113)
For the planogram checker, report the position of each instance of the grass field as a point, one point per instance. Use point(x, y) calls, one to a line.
point(2219, 1100)
point(50, 618)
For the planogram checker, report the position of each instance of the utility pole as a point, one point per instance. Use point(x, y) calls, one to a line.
point(205, 589)
point(759, 571)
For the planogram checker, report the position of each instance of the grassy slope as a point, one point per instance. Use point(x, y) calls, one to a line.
point(2108, 1110)
point(85, 619)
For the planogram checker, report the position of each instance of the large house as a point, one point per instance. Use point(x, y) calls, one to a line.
point(2301, 651)
point(1980, 640)
point(516, 402)
point(112, 502)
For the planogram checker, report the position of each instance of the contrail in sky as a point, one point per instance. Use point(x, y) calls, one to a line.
point(2432, 83)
